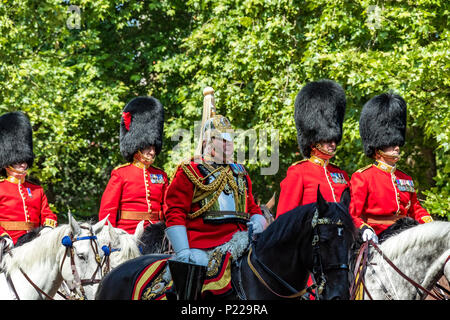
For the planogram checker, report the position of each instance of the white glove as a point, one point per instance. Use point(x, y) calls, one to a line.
point(368, 234)
point(8, 244)
point(178, 238)
point(258, 222)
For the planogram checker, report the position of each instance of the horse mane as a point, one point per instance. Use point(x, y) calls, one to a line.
point(286, 224)
point(293, 222)
point(129, 249)
point(399, 226)
point(424, 236)
point(152, 238)
point(27, 237)
point(44, 248)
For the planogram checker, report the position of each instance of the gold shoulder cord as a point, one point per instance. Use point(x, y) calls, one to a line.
point(217, 186)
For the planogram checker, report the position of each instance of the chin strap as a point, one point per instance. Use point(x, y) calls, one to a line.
point(389, 156)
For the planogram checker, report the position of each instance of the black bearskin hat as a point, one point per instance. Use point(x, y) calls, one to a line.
point(382, 123)
point(319, 114)
point(141, 126)
point(16, 139)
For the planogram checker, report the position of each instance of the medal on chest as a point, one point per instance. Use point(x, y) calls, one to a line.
point(405, 185)
point(338, 178)
point(156, 178)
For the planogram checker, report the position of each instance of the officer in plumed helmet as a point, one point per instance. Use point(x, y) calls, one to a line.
point(380, 192)
point(23, 204)
point(319, 115)
point(209, 200)
point(136, 190)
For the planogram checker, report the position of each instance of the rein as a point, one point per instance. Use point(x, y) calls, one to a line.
point(360, 268)
point(295, 292)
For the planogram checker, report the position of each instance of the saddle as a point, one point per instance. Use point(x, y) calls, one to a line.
point(155, 281)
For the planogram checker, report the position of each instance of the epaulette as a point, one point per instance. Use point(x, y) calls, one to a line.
point(189, 171)
point(364, 168)
point(122, 165)
point(297, 162)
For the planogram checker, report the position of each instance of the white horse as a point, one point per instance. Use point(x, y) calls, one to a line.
point(420, 252)
point(47, 262)
point(120, 247)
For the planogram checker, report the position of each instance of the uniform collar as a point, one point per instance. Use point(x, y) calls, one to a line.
point(15, 180)
point(140, 165)
point(384, 166)
point(318, 161)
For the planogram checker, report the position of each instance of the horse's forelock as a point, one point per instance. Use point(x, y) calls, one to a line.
point(336, 213)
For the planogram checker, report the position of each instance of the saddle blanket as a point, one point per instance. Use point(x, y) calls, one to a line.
point(155, 281)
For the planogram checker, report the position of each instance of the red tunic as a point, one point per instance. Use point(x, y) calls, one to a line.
point(200, 235)
point(301, 182)
point(383, 196)
point(134, 194)
point(23, 203)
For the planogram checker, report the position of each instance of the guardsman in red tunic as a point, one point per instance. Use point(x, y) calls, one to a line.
point(23, 205)
point(381, 193)
point(210, 197)
point(136, 190)
point(319, 115)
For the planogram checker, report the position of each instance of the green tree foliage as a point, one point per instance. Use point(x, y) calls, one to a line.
point(256, 54)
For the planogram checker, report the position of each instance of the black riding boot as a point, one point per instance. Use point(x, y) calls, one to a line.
point(187, 279)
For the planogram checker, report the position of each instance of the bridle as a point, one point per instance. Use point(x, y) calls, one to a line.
point(68, 242)
point(317, 270)
point(106, 262)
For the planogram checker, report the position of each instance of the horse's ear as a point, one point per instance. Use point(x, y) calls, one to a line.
point(74, 226)
point(139, 231)
point(345, 198)
point(271, 203)
point(99, 225)
point(114, 236)
point(322, 204)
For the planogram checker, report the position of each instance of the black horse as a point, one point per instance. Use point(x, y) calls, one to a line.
point(313, 238)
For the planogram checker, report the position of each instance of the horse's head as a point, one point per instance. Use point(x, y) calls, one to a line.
point(81, 264)
point(118, 245)
point(332, 236)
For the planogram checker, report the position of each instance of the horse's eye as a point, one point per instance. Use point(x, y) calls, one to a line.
point(82, 256)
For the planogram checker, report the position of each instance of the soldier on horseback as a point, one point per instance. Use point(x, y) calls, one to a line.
point(136, 190)
point(319, 115)
point(23, 204)
point(381, 193)
point(209, 199)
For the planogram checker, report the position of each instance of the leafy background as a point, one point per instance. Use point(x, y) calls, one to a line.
point(257, 54)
